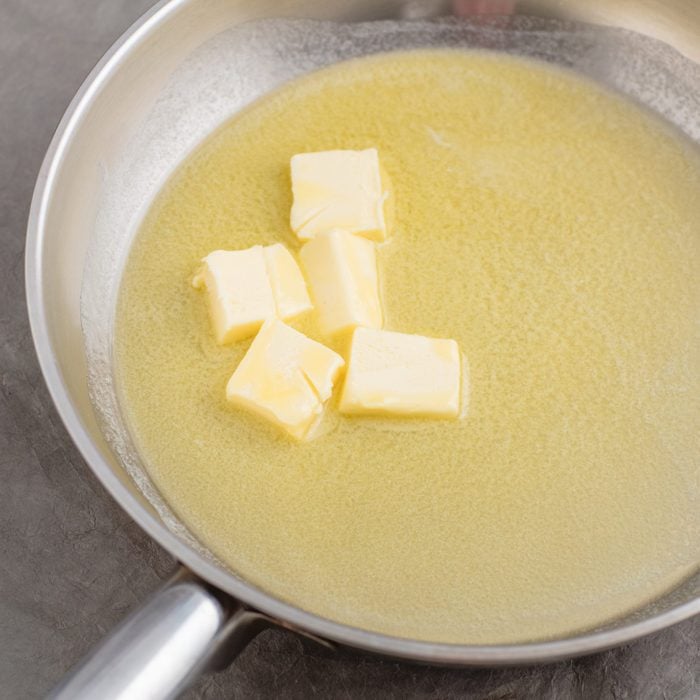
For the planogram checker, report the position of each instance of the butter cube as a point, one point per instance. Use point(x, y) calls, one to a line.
point(338, 189)
point(246, 287)
point(288, 285)
point(286, 378)
point(342, 273)
point(399, 374)
point(240, 295)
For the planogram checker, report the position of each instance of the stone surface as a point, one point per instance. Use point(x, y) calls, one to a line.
point(72, 564)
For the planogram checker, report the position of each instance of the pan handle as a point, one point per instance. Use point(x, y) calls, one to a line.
point(186, 628)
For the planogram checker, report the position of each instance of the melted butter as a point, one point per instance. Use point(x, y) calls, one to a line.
point(548, 226)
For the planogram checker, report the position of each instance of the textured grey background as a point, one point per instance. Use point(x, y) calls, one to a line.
point(71, 564)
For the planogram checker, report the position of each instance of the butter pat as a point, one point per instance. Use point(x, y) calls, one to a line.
point(246, 287)
point(342, 273)
point(399, 374)
point(338, 189)
point(240, 295)
point(286, 378)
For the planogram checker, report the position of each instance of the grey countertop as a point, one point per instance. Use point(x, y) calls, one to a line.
point(72, 564)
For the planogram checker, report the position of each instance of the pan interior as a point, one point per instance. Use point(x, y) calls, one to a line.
point(528, 226)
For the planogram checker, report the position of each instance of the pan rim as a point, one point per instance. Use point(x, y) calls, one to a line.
point(289, 615)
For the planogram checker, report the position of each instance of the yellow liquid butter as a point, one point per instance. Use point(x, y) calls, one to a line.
point(550, 227)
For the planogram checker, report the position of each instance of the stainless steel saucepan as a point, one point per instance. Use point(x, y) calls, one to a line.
point(176, 75)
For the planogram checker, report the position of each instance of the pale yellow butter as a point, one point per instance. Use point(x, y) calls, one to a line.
point(246, 287)
point(338, 189)
point(286, 378)
point(344, 280)
point(400, 374)
point(240, 295)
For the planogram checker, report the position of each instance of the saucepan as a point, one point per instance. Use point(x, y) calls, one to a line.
point(174, 77)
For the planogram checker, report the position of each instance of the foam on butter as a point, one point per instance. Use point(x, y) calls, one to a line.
point(552, 230)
